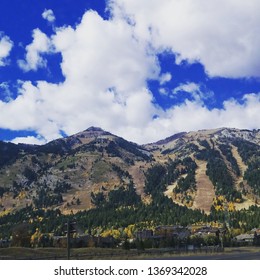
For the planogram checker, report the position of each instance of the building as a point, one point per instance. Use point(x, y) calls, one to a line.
point(144, 234)
point(208, 230)
point(244, 239)
point(84, 241)
point(172, 231)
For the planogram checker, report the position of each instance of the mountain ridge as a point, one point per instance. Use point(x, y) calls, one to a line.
point(93, 131)
point(65, 172)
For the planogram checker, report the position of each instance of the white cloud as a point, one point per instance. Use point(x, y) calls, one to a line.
point(40, 45)
point(106, 65)
point(48, 15)
point(197, 92)
point(6, 46)
point(105, 53)
point(105, 70)
point(28, 140)
point(5, 92)
point(188, 87)
point(163, 91)
point(165, 78)
point(221, 34)
point(193, 115)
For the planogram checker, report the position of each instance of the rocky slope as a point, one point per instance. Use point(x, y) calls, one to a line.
point(64, 172)
point(201, 169)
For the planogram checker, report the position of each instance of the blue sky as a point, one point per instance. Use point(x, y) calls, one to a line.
point(143, 70)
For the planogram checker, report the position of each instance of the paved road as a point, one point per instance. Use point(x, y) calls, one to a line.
point(222, 256)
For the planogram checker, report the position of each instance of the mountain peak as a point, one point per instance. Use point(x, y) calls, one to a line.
point(91, 133)
point(94, 128)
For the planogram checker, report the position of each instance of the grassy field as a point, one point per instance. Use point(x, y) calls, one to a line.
point(13, 253)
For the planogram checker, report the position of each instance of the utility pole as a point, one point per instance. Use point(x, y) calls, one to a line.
point(68, 239)
point(70, 229)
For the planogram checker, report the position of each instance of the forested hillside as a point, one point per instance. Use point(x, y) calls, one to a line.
point(106, 183)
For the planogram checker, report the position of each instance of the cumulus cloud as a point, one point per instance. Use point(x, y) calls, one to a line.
point(192, 115)
point(104, 53)
point(48, 15)
point(221, 34)
point(6, 46)
point(105, 72)
point(106, 65)
point(34, 52)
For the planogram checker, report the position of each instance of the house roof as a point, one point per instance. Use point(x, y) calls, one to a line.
point(245, 236)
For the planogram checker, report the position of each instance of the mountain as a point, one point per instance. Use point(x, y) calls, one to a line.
point(64, 172)
point(203, 169)
point(226, 165)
